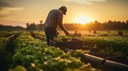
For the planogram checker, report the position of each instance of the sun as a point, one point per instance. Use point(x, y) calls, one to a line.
point(82, 20)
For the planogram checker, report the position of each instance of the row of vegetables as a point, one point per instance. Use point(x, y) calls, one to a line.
point(3, 42)
point(7, 33)
point(3, 52)
point(115, 46)
point(6, 49)
point(110, 47)
point(34, 55)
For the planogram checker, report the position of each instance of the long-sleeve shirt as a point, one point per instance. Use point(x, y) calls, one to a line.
point(54, 17)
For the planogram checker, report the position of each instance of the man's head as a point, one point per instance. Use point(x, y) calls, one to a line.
point(63, 9)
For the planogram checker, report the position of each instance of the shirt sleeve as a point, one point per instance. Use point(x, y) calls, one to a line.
point(60, 18)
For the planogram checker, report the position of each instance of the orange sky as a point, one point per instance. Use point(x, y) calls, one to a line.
point(19, 12)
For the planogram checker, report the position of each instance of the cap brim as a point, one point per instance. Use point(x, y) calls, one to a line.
point(65, 13)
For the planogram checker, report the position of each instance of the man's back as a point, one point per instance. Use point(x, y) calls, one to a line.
point(53, 17)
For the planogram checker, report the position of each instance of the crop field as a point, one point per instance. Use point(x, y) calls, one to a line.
point(28, 51)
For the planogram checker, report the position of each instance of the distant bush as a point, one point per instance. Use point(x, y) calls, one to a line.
point(103, 34)
point(108, 31)
point(94, 32)
point(89, 31)
point(120, 33)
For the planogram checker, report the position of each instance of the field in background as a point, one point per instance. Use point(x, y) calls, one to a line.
point(100, 33)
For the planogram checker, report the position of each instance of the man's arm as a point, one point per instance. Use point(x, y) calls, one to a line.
point(60, 17)
point(63, 28)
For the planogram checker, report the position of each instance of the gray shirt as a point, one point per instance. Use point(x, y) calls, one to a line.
point(54, 17)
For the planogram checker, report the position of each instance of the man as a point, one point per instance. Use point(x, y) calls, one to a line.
point(53, 20)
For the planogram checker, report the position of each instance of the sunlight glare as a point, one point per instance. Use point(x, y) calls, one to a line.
point(82, 20)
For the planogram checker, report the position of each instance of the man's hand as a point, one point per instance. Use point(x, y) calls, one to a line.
point(67, 33)
point(57, 33)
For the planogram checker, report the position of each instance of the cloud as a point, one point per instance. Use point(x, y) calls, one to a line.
point(9, 10)
point(85, 1)
point(4, 4)
point(6, 9)
point(97, 0)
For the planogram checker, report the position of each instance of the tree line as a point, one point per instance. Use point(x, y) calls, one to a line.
point(109, 25)
point(11, 28)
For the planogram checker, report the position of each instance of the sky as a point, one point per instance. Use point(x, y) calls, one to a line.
point(20, 12)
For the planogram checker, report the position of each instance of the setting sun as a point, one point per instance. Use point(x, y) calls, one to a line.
point(82, 20)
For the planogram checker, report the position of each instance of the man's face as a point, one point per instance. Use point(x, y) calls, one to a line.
point(64, 11)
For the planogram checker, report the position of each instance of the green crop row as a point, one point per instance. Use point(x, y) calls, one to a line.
point(39, 33)
point(5, 54)
point(35, 55)
point(3, 42)
point(114, 46)
point(6, 33)
point(117, 46)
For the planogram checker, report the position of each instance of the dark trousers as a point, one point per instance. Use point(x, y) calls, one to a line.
point(50, 34)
